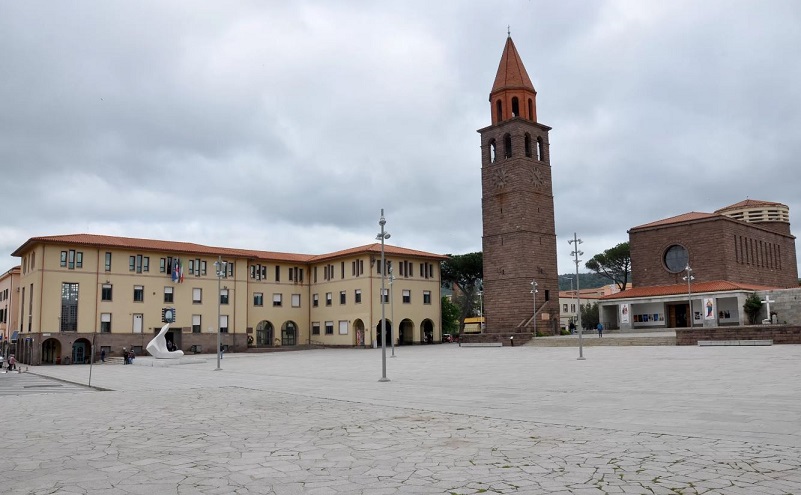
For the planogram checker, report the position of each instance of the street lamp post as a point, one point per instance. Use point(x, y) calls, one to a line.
point(575, 241)
point(534, 300)
point(689, 277)
point(220, 267)
point(392, 310)
point(383, 236)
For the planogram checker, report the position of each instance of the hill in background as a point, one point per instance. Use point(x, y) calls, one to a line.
point(587, 280)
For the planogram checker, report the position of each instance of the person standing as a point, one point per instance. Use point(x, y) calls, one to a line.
point(600, 328)
point(102, 355)
point(125, 356)
point(12, 362)
point(572, 327)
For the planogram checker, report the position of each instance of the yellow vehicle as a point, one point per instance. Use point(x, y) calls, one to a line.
point(474, 324)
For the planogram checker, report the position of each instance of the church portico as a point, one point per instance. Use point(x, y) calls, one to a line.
point(709, 309)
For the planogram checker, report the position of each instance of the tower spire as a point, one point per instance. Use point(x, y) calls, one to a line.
point(513, 94)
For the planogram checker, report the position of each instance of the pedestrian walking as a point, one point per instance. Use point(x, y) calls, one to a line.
point(600, 328)
point(572, 327)
point(102, 355)
point(12, 362)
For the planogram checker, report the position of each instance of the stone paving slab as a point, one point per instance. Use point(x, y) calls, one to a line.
point(496, 420)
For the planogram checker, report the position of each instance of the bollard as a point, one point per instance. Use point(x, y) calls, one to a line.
point(512, 340)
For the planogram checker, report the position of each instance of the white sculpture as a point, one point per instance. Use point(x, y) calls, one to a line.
point(158, 346)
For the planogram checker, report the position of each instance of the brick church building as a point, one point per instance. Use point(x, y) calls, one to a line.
point(727, 255)
point(521, 293)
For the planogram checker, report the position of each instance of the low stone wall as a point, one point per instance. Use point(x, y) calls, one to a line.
point(503, 338)
point(779, 334)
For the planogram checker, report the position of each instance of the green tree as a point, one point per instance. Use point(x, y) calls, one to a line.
point(463, 273)
point(450, 317)
point(589, 316)
point(614, 264)
point(752, 307)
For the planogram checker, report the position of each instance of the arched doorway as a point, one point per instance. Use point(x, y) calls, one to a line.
point(406, 332)
point(81, 351)
point(289, 333)
point(388, 333)
point(428, 331)
point(51, 351)
point(264, 334)
point(358, 331)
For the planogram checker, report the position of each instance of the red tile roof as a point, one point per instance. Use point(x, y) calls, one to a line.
point(101, 241)
point(672, 290)
point(684, 217)
point(375, 248)
point(511, 72)
point(749, 203)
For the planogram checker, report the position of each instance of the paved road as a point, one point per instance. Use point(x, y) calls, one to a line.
point(664, 420)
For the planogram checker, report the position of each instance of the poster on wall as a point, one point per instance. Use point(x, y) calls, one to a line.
point(709, 308)
point(624, 313)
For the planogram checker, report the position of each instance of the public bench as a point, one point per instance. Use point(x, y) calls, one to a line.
point(481, 344)
point(711, 343)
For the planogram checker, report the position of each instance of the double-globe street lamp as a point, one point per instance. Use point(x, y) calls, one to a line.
point(689, 278)
point(220, 267)
point(383, 235)
point(534, 299)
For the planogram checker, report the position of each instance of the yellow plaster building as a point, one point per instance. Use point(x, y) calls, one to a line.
point(83, 292)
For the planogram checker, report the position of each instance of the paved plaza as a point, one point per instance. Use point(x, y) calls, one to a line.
point(526, 420)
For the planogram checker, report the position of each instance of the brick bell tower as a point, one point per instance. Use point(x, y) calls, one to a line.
point(519, 239)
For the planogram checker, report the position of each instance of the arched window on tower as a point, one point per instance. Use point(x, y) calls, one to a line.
point(528, 145)
point(530, 109)
point(499, 110)
point(493, 150)
point(507, 144)
point(515, 107)
point(539, 149)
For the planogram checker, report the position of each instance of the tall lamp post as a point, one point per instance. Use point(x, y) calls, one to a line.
point(220, 267)
point(575, 241)
point(383, 236)
point(392, 310)
point(534, 300)
point(689, 278)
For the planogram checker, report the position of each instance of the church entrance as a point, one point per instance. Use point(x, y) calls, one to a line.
point(678, 315)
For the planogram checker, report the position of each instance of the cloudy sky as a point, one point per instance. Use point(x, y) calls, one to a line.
point(287, 126)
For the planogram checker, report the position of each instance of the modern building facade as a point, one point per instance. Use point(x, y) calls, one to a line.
point(696, 269)
point(519, 238)
point(83, 293)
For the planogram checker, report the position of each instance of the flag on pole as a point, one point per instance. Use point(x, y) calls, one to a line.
point(175, 272)
point(181, 273)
